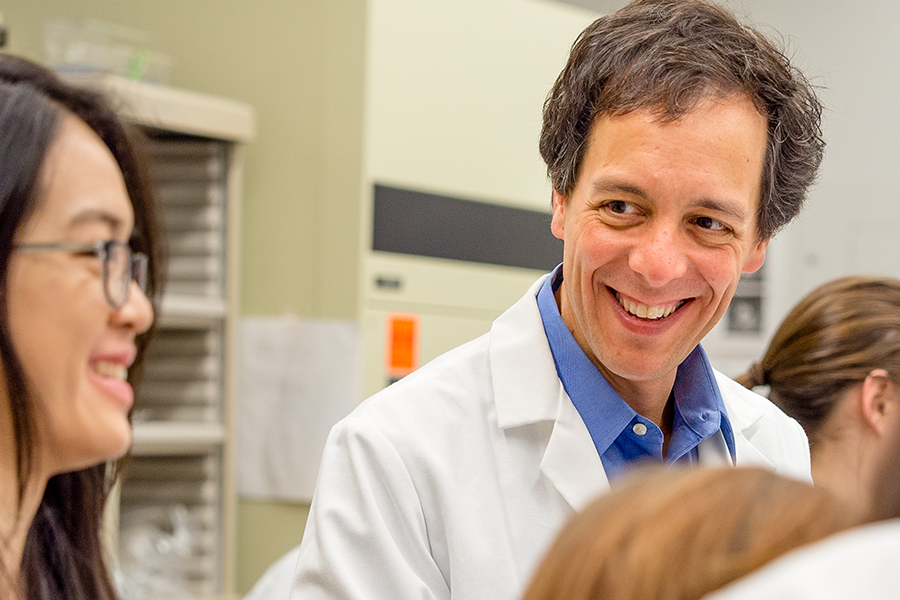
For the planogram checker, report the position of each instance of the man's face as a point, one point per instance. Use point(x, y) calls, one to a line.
point(657, 231)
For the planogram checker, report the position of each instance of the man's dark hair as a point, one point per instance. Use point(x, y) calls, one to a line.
point(667, 56)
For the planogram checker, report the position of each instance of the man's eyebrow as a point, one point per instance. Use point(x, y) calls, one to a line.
point(605, 186)
point(723, 207)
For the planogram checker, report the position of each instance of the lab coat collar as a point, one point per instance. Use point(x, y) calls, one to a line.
point(520, 354)
point(521, 361)
point(744, 418)
point(524, 394)
point(571, 461)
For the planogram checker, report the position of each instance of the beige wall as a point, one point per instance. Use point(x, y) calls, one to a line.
point(300, 64)
point(455, 92)
point(454, 95)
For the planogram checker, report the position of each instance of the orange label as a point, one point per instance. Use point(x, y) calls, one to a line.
point(403, 343)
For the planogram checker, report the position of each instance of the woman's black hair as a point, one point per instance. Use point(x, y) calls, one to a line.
point(64, 555)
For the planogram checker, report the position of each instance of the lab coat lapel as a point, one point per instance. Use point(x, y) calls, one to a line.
point(527, 390)
point(523, 373)
point(744, 422)
point(571, 462)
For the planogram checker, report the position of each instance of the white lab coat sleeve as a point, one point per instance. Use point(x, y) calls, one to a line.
point(366, 536)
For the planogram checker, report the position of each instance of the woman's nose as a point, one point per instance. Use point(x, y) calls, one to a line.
point(137, 312)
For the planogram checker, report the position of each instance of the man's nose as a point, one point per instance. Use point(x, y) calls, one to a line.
point(660, 256)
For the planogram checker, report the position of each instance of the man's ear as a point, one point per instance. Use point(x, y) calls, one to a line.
point(558, 224)
point(757, 256)
point(876, 399)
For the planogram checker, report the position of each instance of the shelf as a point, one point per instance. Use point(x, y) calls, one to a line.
point(172, 109)
point(162, 438)
point(182, 457)
point(176, 307)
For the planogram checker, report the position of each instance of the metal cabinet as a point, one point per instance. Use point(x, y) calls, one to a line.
point(174, 519)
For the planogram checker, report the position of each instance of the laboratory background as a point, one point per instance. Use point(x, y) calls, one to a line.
point(370, 196)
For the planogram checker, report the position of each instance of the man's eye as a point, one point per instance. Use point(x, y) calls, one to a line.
point(620, 207)
point(710, 223)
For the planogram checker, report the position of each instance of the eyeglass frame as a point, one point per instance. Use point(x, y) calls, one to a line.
point(137, 263)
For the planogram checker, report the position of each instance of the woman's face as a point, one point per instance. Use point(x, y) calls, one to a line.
point(75, 348)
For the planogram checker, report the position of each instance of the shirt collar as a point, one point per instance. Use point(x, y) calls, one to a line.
point(699, 400)
point(699, 405)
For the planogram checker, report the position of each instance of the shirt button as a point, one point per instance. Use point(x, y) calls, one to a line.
point(639, 428)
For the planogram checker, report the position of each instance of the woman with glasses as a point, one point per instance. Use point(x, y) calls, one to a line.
point(78, 270)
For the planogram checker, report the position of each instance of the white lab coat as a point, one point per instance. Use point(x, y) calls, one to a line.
point(858, 563)
point(451, 483)
point(275, 582)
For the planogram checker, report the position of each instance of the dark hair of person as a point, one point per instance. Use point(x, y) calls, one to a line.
point(831, 340)
point(679, 534)
point(667, 56)
point(64, 556)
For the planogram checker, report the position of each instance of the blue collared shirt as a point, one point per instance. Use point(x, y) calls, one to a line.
point(623, 437)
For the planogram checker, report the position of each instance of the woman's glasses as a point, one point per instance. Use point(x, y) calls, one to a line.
point(120, 265)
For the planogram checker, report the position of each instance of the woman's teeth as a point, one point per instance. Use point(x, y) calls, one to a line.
point(113, 370)
point(648, 312)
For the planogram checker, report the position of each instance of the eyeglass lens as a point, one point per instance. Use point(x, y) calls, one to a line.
point(120, 267)
point(139, 265)
point(116, 273)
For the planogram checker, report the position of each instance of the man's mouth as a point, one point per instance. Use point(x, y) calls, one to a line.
point(643, 311)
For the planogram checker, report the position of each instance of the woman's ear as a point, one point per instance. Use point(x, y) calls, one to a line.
point(877, 400)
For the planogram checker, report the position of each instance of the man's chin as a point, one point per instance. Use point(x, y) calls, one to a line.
point(639, 371)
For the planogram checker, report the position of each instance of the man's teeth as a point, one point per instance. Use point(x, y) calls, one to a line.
point(113, 370)
point(647, 312)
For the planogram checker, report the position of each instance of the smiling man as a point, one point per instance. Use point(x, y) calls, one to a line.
point(678, 141)
point(658, 227)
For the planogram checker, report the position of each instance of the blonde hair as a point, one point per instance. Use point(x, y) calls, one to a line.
point(680, 534)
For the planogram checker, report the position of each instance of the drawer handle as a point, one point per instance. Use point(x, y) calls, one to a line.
point(388, 283)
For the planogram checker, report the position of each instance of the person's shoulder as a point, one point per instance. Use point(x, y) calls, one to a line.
point(456, 389)
point(732, 392)
point(857, 563)
point(466, 365)
point(456, 383)
point(276, 581)
point(774, 434)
